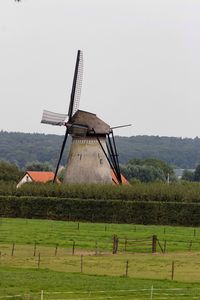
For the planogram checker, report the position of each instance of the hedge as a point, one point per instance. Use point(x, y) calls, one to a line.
point(173, 192)
point(137, 212)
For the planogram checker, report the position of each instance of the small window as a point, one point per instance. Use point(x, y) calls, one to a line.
point(80, 156)
point(101, 161)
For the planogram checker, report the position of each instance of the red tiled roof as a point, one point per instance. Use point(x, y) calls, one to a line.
point(41, 176)
point(114, 179)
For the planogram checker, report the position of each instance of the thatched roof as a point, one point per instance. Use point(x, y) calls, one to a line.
point(90, 121)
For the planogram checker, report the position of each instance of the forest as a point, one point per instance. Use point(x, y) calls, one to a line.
point(22, 148)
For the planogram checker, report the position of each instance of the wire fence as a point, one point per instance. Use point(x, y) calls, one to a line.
point(150, 293)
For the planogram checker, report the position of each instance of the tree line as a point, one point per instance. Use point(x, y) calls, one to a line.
point(136, 170)
point(20, 148)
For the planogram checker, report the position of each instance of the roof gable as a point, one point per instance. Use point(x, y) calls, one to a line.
point(41, 176)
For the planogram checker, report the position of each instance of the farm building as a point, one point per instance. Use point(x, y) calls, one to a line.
point(36, 176)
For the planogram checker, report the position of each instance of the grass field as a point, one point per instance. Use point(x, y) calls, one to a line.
point(86, 235)
point(34, 262)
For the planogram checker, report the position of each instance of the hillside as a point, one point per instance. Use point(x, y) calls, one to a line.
point(21, 148)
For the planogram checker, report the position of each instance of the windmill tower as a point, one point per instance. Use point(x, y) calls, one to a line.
point(93, 155)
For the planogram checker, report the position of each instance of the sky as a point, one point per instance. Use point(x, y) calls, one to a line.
point(141, 63)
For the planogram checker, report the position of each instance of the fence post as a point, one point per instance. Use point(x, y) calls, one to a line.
point(78, 226)
point(127, 268)
point(172, 277)
point(42, 295)
point(56, 249)
point(125, 243)
point(73, 247)
point(190, 245)
point(38, 259)
point(154, 242)
point(81, 263)
point(13, 249)
point(115, 244)
point(96, 248)
point(165, 246)
point(151, 295)
point(34, 250)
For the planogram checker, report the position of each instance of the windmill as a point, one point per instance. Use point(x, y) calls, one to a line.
point(93, 155)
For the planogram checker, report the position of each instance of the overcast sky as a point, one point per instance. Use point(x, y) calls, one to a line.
point(141, 63)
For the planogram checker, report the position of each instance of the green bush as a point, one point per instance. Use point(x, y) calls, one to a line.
point(174, 192)
point(140, 212)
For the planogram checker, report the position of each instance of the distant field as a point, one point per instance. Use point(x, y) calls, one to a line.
point(37, 255)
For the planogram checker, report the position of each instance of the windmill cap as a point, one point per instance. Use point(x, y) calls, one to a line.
point(91, 121)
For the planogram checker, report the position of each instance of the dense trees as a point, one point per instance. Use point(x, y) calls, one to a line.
point(179, 152)
point(9, 172)
point(37, 166)
point(188, 175)
point(21, 148)
point(40, 151)
point(192, 176)
point(147, 170)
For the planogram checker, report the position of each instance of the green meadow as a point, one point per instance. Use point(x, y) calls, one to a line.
point(46, 259)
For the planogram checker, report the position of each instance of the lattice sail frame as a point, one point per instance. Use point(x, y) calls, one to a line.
point(78, 87)
point(58, 119)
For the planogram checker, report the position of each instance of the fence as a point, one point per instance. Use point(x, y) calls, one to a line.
point(171, 267)
point(150, 293)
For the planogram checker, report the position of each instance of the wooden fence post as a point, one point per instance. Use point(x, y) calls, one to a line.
point(96, 248)
point(73, 247)
point(38, 259)
point(126, 273)
point(115, 244)
point(125, 243)
point(81, 263)
point(165, 246)
point(13, 249)
point(172, 276)
point(34, 249)
point(154, 242)
point(190, 245)
point(56, 249)
point(78, 226)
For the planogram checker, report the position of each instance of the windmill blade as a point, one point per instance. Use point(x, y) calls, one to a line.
point(121, 126)
point(52, 118)
point(61, 153)
point(76, 86)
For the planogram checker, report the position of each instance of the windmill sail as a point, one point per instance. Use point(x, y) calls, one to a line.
point(77, 84)
point(53, 118)
point(74, 100)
